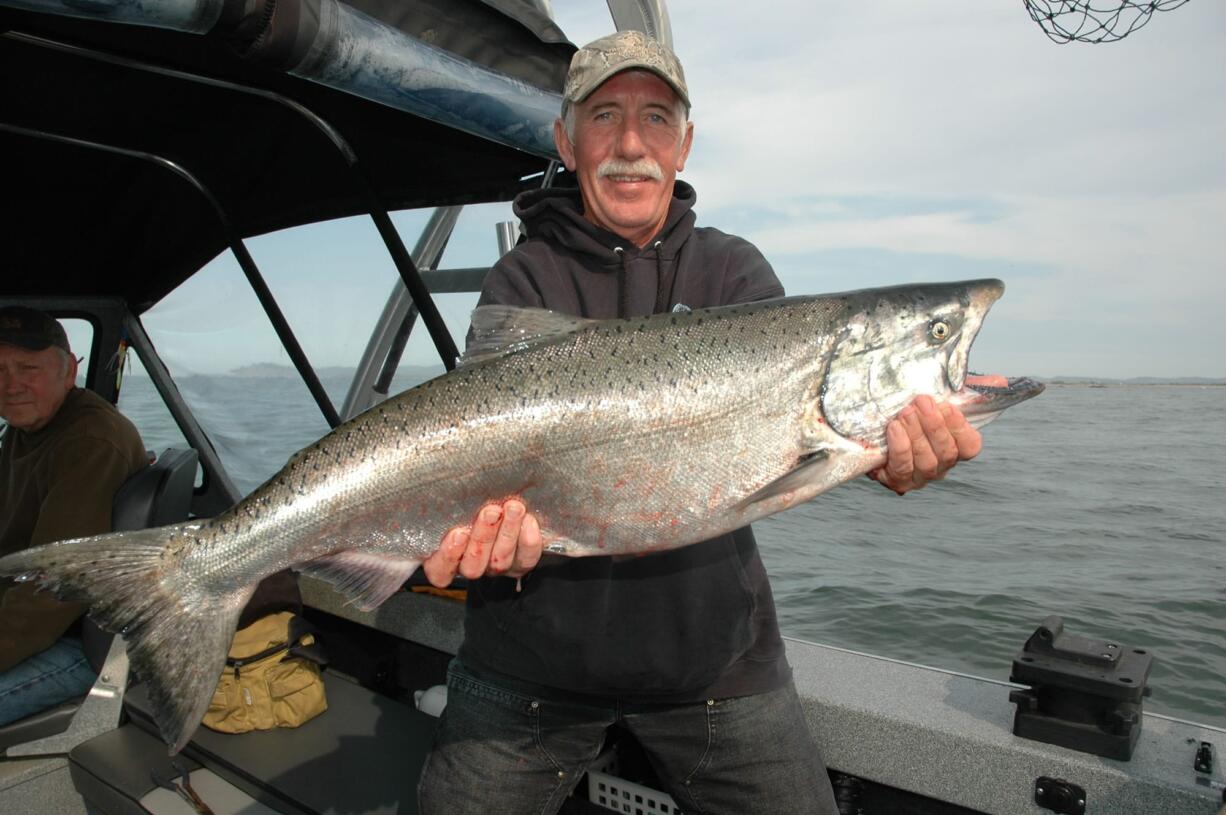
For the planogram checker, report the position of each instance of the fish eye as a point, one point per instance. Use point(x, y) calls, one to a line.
point(938, 330)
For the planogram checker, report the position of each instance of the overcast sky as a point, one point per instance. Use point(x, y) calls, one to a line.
point(865, 144)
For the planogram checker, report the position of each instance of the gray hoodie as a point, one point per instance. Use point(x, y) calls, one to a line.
point(685, 625)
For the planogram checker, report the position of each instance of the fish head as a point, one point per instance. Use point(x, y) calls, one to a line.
point(899, 343)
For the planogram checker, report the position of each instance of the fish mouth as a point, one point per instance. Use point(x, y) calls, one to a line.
point(981, 295)
point(981, 403)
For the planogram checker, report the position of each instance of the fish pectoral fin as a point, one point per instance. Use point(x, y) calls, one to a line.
point(498, 330)
point(810, 469)
point(365, 578)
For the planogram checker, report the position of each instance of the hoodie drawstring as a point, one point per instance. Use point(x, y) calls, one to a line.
point(664, 295)
point(623, 295)
point(665, 290)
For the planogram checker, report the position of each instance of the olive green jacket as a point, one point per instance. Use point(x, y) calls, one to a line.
point(57, 483)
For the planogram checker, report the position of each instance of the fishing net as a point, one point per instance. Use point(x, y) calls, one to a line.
point(1094, 20)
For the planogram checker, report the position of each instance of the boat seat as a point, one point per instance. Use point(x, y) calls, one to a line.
point(158, 495)
point(42, 724)
point(362, 755)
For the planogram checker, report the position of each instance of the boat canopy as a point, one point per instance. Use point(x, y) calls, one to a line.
point(134, 154)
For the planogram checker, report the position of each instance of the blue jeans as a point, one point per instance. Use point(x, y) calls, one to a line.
point(44, 680)
point(499, 750)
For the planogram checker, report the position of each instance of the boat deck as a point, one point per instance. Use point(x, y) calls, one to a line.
point(930, 735)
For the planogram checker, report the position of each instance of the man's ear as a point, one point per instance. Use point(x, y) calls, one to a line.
point(71, 374)
point(686, 143)
point(565, 149)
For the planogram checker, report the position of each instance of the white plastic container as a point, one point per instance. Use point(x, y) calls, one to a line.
point(606, 790)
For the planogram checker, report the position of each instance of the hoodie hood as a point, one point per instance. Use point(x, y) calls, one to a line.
point(556, 215)
point(567, 264)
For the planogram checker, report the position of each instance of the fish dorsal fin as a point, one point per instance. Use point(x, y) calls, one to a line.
point(366, 579)
point(810, 469)
point(498, 330)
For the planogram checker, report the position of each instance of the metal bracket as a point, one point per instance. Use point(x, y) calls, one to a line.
point(98, 714)
point(1059, 795)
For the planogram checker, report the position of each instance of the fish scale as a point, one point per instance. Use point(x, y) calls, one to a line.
point(622, 437)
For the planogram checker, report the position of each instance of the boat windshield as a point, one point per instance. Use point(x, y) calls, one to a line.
point(331, 280)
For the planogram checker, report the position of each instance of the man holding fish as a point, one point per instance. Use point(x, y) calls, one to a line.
point(682, 648)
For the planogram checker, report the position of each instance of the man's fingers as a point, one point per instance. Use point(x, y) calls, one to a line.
point(502, 540)
point(923, 443)
point(898, 469)
point(944, 448)
point(481, 541)
point(966, 437)
point(503, 553)
point(924, 460)
point(528, 553)
point(440, 568)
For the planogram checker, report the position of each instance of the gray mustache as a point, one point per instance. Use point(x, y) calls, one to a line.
point(643, 166)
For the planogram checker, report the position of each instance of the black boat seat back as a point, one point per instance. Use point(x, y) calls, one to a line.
point(158, 495)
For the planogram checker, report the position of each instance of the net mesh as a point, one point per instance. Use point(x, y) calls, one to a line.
point(1094, 20)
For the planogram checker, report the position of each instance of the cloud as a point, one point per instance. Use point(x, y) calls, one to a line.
point(1096, 237)
point(949, 96)
point(895, 136)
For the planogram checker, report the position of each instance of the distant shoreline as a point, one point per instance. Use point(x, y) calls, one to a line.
point(1077, 382)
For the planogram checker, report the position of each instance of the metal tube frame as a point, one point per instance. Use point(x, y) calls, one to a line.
point(391, 332)
point(245, 261)
point(400, 256)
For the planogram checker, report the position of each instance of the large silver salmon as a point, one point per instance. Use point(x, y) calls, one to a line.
point(622, 436)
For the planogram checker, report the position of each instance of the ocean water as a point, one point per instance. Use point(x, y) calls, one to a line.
point(1104, 505)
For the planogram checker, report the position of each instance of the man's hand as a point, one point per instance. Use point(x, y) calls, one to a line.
point(927, 440)
point(502, 541)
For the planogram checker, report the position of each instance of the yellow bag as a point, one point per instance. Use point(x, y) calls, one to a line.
point(262, 686)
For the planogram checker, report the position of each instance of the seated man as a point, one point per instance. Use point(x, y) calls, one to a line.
point(64, 454)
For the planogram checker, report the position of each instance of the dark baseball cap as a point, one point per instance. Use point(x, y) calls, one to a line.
point(31, 329)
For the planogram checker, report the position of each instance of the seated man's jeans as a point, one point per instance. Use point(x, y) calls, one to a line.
point(500, 750)
point(45, 680)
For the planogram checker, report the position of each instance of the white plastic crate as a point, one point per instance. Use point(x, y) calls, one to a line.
point(605, 789)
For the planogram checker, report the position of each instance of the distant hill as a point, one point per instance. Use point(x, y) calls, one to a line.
point(264, 370)
point(1136, 380)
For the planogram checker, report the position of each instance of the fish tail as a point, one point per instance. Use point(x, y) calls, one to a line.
point(177, 632)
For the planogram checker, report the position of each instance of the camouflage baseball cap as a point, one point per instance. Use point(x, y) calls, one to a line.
point(31, 329)
point(597, 61)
